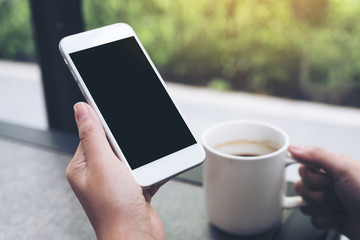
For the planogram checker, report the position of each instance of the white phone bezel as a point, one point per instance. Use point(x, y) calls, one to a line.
point(156, 171)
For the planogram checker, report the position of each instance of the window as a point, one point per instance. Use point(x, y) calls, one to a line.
point(304, 50)
point(21, 94)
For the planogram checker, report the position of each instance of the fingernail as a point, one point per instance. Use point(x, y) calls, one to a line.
point(81, 111)
point(296, 147)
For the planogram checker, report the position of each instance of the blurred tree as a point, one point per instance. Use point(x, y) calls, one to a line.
point(313, 12)
point(304, 49)
point(15, 30)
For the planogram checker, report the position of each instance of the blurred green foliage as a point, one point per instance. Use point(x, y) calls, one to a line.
point(15, 30)
point(304, 49)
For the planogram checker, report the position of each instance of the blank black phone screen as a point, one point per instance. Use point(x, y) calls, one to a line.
point(135, 105)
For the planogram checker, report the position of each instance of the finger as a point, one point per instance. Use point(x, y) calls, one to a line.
point(320, 159)
point(317, 197)
point(314, 179)
point(316, 210)
point(92, 135)
point(330, 221)
point(149, 193)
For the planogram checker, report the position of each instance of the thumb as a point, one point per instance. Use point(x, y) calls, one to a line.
point(332, 164)
point(92, 135)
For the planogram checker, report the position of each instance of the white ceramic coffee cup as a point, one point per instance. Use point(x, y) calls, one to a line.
point(245, 195)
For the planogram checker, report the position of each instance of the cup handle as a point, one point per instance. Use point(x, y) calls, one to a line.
point(295, 201)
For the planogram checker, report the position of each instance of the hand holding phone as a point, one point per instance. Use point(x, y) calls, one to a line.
point(114, 203)
point(142, 123)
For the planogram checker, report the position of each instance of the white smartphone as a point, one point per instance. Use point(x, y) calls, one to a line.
point(142, 123)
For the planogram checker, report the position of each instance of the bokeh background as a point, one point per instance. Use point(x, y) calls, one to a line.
point(300, 49)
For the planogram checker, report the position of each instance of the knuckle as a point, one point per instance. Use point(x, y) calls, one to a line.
point(316, 180)
point(345, 163)
point(298, 187)
point(69, 175)
point(69, 172)
point(302, 170)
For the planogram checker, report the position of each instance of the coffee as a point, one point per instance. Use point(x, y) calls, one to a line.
point(247, 148)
